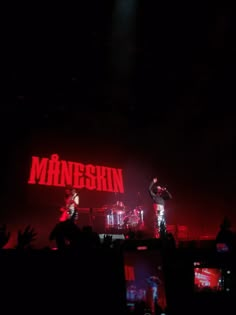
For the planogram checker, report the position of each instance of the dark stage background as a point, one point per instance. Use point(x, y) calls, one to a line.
point(144, 86)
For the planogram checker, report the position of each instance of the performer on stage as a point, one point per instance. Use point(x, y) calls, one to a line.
point(70, 210)
point(159, 195)
point(152, 292)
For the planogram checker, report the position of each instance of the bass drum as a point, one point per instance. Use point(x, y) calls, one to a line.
point(115, 219)
point(118, 219)
point(132, 221)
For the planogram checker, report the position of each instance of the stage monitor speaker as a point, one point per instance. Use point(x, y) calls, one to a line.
point(96, 221)
point(114, 236)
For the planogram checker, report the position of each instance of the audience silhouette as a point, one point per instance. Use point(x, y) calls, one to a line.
point(4, 235)
point(70, 238)
point(225, 238)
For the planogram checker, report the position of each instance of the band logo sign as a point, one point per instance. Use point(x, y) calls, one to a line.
point(56, 172)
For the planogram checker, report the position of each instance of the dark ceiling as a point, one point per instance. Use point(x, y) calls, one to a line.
point(178, 97)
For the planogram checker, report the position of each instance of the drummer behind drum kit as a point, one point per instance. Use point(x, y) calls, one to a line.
point(120, 217)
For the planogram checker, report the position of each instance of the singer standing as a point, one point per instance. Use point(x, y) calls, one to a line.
point(159, 195)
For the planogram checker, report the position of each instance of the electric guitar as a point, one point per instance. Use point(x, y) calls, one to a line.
point(67, 213)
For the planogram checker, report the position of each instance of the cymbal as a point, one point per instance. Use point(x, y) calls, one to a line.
point(117, 207)
point(119, 212)
point(107, 206)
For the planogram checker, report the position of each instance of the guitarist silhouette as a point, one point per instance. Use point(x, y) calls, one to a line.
point(70, 210)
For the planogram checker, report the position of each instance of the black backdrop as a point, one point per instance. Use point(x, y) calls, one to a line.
point(171, 116)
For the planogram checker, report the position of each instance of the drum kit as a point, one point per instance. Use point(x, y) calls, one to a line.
point(119, 216)
point(133, 294)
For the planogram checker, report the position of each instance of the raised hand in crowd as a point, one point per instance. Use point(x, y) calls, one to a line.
point(4, 235)
point(25, 238)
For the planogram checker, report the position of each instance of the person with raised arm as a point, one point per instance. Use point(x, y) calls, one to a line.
point(159, 195)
